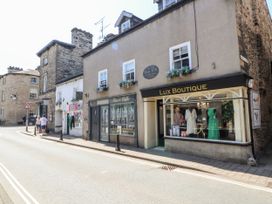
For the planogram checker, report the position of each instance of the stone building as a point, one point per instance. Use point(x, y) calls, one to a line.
point(17, 89)
point(59, 62)
point(185, 80)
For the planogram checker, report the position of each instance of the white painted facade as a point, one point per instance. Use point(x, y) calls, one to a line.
point(69, 108)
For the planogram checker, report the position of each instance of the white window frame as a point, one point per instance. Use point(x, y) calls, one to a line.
point(45, 82)
point(45, 61)
point(125, 25)
point(171, 49)
point(124, 66)
point(33, 91)
point(164, 5)
point(59, 96)
point(99, 77)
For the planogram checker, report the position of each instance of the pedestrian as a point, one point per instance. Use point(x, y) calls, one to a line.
point(38, 124)
point(43, 123)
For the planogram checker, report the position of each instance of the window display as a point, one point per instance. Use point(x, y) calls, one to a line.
point(211, 116)
point(122, 113)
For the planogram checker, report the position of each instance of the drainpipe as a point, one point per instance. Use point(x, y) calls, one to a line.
point(250, 123)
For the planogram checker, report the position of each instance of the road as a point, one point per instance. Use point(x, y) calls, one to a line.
point(33, 170)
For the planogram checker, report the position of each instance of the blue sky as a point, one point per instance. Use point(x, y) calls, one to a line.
point(28, 25)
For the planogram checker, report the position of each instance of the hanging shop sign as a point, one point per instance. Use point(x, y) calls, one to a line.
point(151, 72)
point(255, 109)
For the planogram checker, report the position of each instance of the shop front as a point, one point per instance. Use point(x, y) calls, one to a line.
point(112, 116)
point(209, 117)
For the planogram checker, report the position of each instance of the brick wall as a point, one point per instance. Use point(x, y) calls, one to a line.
point(254, 30)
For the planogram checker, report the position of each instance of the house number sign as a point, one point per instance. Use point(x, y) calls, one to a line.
point(151, 72)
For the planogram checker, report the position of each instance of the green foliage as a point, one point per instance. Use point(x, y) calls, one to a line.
point(173, 73)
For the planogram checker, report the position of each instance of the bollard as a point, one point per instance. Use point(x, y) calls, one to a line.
point(61, 136)
point(117, 143)
point(35, 131)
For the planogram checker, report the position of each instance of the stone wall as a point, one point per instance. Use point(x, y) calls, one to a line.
point(254, 30)
point(17, 91)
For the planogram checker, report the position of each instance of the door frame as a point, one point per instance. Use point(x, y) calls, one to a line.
point(106, 105)
point(159, 103)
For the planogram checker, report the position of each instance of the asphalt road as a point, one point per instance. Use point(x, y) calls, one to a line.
point(33, 170)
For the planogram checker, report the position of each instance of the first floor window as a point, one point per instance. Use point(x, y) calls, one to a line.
point(3, 96)
point(180, 56)
point(129, 70)
point(45, 82)
point(33, 94)
point(103, 78)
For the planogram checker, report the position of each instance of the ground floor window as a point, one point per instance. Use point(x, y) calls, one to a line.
point(213, 115)
point(122, 113)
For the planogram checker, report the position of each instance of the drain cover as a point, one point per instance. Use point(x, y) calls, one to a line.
point(168, 167)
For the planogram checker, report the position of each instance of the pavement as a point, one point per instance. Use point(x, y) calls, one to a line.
point(260, 175)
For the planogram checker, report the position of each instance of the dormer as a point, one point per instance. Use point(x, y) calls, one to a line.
point(163, 4)
point(126, 21)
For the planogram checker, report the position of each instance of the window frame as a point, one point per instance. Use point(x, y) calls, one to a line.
point(124, 66)
point(164, 6)
point(99, 78)
point(3, 96)
point(171, 49)
point(32, 81)
point(127, 24)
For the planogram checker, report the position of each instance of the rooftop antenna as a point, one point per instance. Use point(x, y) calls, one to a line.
point(102, 29)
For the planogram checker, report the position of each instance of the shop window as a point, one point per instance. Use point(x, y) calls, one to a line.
point(122, 113)
point(103, 78)
point(180, 56)
point(219, 117)
point(125, 26)
point(167, 3)
point(129, 70)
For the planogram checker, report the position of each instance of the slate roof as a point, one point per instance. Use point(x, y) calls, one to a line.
point(52, 43)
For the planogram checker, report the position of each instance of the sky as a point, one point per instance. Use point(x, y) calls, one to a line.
point(28, 25)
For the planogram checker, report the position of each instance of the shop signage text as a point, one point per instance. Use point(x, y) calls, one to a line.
point(186, 89)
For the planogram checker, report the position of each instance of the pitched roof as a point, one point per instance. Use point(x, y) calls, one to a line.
point(52, 43)
point(125, 14)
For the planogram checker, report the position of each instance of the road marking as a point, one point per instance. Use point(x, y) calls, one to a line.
point(224, 180)
point(23, 193)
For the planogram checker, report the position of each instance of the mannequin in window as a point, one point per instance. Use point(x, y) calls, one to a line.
point(213, 130)
point(190, 117)
point(178, 120)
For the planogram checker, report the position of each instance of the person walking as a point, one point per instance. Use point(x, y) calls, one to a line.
point(43, 123)
point(38, 124)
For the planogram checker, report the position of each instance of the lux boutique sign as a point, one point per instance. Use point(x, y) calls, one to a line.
point(185, 89)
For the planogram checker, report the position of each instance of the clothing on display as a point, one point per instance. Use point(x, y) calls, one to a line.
point(213, 130)
point(190, 117)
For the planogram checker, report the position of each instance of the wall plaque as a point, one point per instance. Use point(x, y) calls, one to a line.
point(151, 72)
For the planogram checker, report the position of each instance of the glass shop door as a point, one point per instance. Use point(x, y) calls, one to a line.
point(104, 123)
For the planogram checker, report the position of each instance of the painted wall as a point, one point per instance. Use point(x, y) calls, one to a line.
point(149, 45)
point(66, 89)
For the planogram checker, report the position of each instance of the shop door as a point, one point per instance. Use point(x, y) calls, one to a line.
point(160, 123)
point(94, 123)
point(104, 123)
